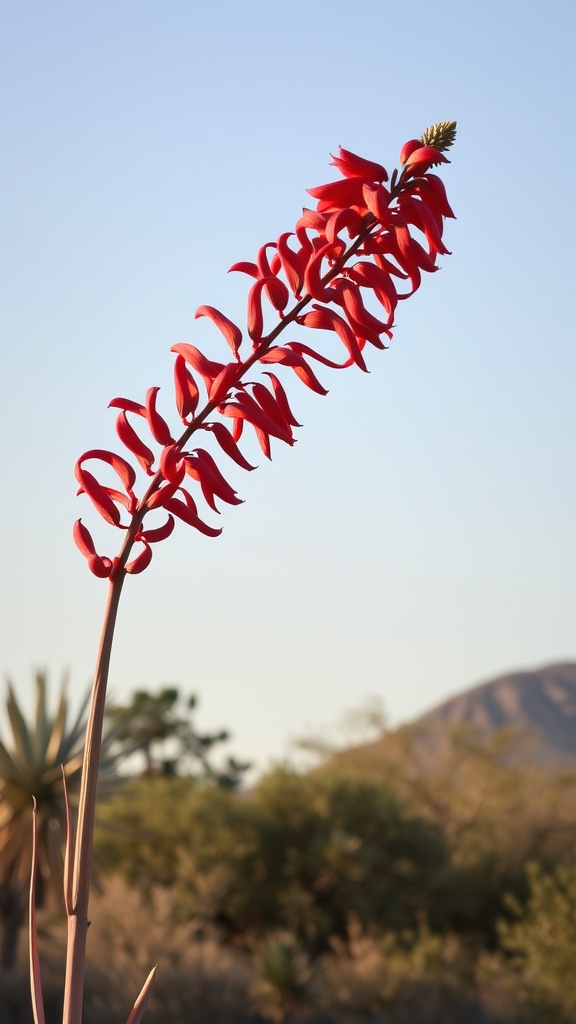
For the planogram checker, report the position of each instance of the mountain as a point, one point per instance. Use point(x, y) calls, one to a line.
point(541, 702)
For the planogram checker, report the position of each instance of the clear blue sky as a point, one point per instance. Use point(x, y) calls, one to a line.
point(420, 536)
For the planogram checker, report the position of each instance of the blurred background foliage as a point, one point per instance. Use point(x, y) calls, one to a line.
point(429, 875)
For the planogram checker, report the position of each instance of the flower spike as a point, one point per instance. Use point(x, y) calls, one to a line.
point(367, 234)
point(363, 239)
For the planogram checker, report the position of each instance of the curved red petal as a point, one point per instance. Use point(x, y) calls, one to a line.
point(127, 405)
point(159, 533)
point(185, 389)
point(245, 268)
point(182, 511)
point(158, 427)
point(228, 444)
point(282, 400)
point(353, 166)
point(292, 264)
point(229, 330)
point(327, 320)
point(207, 368)
point(83, 539)
point(100, 566)
point(141, 562)
point(99, 497)
point(223, 382)
point(134, 443)
point(122, 468)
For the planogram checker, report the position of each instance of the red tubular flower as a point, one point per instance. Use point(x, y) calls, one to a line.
point(157, 534)
point(230, 331)
point(286, 356)
point(172, 464)
point(327, 320)
point(222, 383)
point(184, 511)
point(141, 562)
point(185, 390)
point(133, 442)
point(228, 444)
point(340, 195)
point(158, 427)
point(207, 368)
point(282, 400)
point(370, 275)
point(97, 564)
point(421, 160)
point(353, 166)
point(378, 202)
point(292, 264)
point(104, 498)
point(201, 466)
point(408, 148)
point(246, 408)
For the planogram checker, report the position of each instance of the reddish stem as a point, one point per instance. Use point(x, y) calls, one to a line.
point(82, 855)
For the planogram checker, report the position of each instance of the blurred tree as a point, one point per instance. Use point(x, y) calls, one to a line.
point(32, 766)
point(299, 852)
point(160, 725)
point(495, 806)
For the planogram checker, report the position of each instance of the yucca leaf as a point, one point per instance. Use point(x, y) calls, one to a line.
point(54, 772)
point(40, 733)
point(76, 732)
point(58, 728)
point(10, 770)
point(20, 733)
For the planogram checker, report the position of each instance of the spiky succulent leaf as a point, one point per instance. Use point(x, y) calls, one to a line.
point(31, 767)
point(20, 733)
point(58, 729)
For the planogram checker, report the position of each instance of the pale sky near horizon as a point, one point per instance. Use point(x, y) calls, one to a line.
point(419, 538)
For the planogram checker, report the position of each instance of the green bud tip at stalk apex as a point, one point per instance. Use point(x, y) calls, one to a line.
point(441, 135)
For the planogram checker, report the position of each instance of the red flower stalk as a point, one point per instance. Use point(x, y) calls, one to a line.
point(343, 271)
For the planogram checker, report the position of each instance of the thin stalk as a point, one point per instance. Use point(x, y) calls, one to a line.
point(82, 856)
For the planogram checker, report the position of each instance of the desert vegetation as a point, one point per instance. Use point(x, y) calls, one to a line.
point(426, 877)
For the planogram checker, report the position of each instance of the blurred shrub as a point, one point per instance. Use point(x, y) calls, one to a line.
point(301, 852)
point(542, 945)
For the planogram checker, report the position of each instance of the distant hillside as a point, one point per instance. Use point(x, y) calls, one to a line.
point(539, 705)
point(541, 701)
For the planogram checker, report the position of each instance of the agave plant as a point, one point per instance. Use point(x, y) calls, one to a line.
point(33, 764)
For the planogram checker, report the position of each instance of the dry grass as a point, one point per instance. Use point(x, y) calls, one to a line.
point(382, 978)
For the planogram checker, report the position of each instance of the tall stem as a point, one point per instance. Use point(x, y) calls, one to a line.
point(81, 862)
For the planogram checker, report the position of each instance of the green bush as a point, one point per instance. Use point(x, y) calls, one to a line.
point(301, 852)
point(542, 945)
